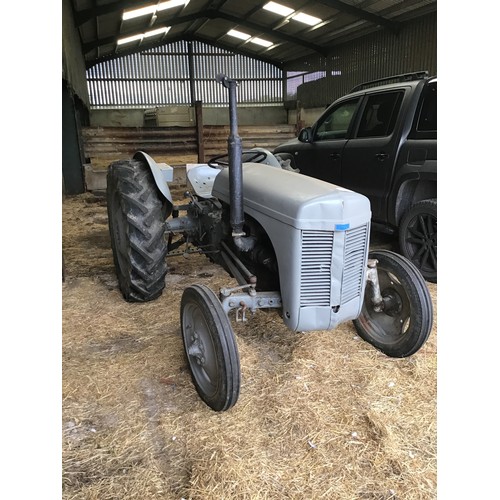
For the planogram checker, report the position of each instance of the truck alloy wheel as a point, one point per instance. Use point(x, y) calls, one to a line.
point(418, 237)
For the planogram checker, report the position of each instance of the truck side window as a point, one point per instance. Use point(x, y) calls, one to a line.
point(427, 119)
point(335, 124)
point(380, 114)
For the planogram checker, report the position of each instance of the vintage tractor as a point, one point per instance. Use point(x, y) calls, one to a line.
point(293, 243)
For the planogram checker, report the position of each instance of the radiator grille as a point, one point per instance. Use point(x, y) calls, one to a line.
point(354, 257)
point(316, 268)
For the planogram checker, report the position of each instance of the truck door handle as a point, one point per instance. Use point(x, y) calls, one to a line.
point(381, 156)
point(334, 156)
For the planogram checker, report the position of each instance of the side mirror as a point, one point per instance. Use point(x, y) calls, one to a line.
point(305, 135)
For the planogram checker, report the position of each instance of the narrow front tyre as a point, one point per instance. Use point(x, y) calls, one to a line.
point(210, 347)
point(404, 322)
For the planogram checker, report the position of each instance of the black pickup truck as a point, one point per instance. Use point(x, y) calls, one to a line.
point(381, 140)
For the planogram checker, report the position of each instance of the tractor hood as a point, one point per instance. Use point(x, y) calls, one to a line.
point(295, 199)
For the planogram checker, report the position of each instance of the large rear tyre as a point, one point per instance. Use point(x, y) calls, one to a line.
point(210, 347)
point(404, 324)
point(136, 217)
point(418, 237)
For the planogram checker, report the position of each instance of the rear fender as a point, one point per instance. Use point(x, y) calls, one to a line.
point(162, 174)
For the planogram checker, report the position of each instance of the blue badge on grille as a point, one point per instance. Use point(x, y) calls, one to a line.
point(341, 227)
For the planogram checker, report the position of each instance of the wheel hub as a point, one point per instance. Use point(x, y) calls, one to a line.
point(196, 349)
point(393, 304)
point(429, 241)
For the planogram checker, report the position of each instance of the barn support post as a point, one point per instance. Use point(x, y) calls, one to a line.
point(198, 109)
point(72, 160)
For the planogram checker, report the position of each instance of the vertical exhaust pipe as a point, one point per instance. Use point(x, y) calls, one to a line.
point(234, 149)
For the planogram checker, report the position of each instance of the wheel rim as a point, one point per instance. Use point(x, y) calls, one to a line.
point(421, 242)
point(390, 325)
point(200, 349)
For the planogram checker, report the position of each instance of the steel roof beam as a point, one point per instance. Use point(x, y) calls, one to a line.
point(268, 31)
point(214, 14)
point(113, 38)
point(85, 15)
point(362, 14)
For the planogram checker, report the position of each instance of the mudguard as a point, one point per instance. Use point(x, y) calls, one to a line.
point(162, 173)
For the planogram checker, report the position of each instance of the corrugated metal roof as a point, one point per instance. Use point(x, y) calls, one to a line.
point(101, 25)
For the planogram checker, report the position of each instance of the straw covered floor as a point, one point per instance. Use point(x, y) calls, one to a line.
point(321, 415)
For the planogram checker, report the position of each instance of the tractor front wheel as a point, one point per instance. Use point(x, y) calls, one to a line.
point(210, 347)
point(401, 327)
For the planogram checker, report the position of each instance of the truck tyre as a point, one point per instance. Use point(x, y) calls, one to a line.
point(418, 237)
point(405, 323)
point(136, 218)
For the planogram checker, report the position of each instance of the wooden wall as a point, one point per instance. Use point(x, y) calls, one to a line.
point(174, 145)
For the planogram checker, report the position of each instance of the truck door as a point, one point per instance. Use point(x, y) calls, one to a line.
point(369, 157)
point(322, 157)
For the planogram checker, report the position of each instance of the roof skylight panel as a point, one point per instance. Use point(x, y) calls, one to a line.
point(277, 8)
point(152, 9)
point(261, 41)
point(306, 19)
point(238, 34)
point(285, 11)
point(140, 36)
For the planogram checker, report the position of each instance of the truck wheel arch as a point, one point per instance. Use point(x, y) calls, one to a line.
point(411, 191)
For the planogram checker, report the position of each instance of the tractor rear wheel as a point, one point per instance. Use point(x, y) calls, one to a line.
point(136, 218)
point(402, 327)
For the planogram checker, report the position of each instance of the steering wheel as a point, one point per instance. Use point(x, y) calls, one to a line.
point(246, 157)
